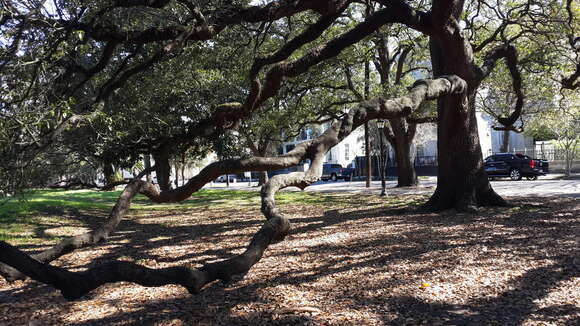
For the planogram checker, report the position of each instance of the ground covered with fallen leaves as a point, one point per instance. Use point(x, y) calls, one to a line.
point(349, 260)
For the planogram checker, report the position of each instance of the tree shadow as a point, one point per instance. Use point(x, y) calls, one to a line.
point(525, 232)
point(512, 307)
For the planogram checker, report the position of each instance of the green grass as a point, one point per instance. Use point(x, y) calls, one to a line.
point(24, 221)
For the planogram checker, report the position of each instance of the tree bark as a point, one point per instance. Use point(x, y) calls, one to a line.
point(263, 178)
point(108, 173)
point(176, 181)
point(162, 167)
point(401, 140)
point(462, 182)
point(405, 167)
point(368, 156)
point(147, 164)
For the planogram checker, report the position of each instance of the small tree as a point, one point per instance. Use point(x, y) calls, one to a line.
point(567, 129)
point(561, 124)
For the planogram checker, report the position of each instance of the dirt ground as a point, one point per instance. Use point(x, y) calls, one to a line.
point(363, 262)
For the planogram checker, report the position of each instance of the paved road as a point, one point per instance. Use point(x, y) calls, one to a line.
point(543, 187)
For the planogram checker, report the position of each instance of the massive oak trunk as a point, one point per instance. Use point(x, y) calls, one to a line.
point(462, 182)
point(162, 167)
point(263, 178)
point(108, 173)
point(401, 139)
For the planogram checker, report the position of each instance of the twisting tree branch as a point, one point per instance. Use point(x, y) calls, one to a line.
point(511, 56)
point(73, 285)
point(229, 114)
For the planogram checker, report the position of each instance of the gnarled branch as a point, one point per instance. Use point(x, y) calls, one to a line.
point(511, 56)
point(73, 285)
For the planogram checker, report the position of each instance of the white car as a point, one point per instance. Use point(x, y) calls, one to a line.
point(222, 178)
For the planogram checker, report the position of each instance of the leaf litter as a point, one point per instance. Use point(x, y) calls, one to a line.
point(359, 262)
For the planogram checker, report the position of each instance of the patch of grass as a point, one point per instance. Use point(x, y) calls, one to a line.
point(24, 221)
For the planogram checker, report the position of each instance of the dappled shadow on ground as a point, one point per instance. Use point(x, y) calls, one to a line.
point(370, 262)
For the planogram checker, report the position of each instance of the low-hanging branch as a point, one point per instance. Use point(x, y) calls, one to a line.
point(73, 285)
point(228, 115)
point(261, 90)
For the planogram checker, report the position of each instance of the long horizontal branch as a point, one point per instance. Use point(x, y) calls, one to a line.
point(217, 21)
point(230, 114)
point(74, 285)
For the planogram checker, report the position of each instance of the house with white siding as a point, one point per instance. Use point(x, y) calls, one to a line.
point(424, 146)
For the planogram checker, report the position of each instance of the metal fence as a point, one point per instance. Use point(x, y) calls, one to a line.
point(428, 164)
point(550, 154)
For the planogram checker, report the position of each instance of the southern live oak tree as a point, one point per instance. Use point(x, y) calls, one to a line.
point(85, 53)
point(394, 66)
point(395, 55)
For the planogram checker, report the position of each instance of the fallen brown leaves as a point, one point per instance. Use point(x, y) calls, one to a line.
point(359, 264)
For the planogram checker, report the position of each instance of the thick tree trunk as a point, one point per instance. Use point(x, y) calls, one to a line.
point(405, 167)
point(462, 182)
point(147, 164)
point(402, 140)
point(108, 173)
point(263, 178)
point(162, 167)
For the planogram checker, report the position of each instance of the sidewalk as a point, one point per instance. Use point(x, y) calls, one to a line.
point(550, 185)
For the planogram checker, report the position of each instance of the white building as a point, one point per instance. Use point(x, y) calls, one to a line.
point(424, 144)
point(343, 153)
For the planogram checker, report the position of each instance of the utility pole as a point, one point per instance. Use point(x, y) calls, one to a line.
point(367, 137)
point(381, 125)
point(367, 155)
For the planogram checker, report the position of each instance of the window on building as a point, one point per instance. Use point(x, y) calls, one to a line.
point(420, 150)
point(346, 152)
point(306, 134)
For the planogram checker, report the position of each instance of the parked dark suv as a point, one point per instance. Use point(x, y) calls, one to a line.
point(515, 166)
point(335, 171)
